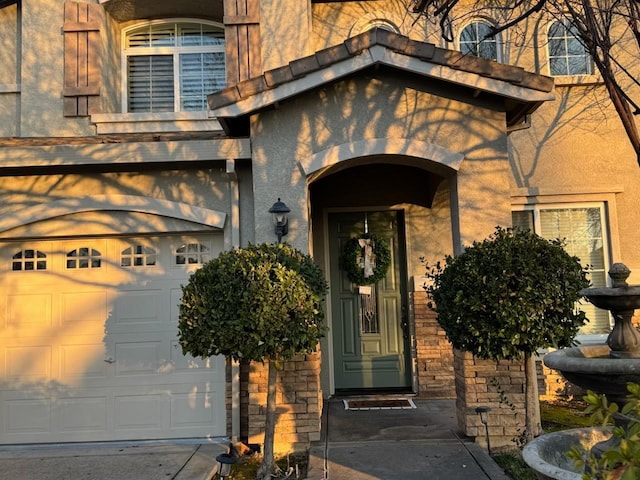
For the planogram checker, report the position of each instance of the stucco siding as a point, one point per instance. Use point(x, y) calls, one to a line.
point(207, 189)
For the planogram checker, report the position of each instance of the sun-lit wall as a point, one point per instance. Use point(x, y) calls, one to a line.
point(9, 73)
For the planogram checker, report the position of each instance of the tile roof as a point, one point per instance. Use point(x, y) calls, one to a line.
point(540, 86)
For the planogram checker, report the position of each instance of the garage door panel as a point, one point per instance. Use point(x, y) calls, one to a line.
point(134, 308)
point(27, 313)
point(89, 350)
point(28, 363)
point(193, 409)
point(27, 416)
point(84, 311)
point(81, 414)
point(137, 412)
point(138, 358)
point(83, 361)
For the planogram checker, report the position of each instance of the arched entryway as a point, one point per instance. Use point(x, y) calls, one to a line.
point(371, 345)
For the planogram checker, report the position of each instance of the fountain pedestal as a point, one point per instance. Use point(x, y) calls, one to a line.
point(621, 300)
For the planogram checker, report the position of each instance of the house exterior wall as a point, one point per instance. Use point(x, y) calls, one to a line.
point(204, 188)
point(9, 74)
point(285, 37)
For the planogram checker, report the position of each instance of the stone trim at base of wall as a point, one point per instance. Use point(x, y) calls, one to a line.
point(434, 355)
point(298, 403)
point(499, 385)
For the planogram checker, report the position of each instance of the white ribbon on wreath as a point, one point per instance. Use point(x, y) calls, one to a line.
point(367, 294)
point(368, 259)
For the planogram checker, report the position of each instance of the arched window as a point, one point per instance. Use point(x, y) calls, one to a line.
point(29, 259)
point(192, 253)
point(567, 55)
point(172, 67)
point(84, 257)
point(474, 41)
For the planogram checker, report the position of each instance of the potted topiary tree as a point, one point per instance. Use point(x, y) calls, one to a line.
point(508, 296)
point(260, 303)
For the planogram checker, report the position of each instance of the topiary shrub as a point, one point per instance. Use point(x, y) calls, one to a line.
point(508, 296)
point(257, 303)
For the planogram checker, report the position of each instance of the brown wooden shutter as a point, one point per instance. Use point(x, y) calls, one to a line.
point(82, 58)
point(242, 39)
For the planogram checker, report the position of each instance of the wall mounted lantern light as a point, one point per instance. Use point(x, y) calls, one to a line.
point(280, 214)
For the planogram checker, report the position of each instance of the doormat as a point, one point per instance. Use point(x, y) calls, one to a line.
point(380, 404)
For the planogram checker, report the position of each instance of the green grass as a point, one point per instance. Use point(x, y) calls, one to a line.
point(557, 415)
point(513, 465)
point(561, 415)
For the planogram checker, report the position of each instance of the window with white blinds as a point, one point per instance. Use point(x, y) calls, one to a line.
point(172, 67)
point(583, 229)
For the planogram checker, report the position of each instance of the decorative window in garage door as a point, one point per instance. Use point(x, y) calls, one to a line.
point(84, 257)
point(192, 254)
point(138, 256)
point(29, 259)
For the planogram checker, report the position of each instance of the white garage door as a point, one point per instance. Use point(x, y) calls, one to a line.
point(88, 342)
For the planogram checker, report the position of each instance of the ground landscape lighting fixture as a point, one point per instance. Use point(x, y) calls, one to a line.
point(225, 460)
point(280, 215)
point(484, 419)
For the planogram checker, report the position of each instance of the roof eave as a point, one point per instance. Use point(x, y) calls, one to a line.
point(525, 90)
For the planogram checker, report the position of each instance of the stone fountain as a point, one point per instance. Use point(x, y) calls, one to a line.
point(604, 369)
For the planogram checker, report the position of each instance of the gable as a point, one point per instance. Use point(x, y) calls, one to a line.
point(519, 91)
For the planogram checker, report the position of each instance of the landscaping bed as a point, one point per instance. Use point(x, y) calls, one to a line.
point(560, 414)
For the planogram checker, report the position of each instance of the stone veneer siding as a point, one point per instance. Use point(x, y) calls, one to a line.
point(298, 399)
point(433, 351)
point(499, 385)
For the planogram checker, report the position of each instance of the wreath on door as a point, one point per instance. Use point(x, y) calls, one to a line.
point(365, 259)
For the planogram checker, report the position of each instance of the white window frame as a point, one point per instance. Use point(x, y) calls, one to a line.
point(602, 206)
point(589, 78)
point(496, 38)
point(175, 51)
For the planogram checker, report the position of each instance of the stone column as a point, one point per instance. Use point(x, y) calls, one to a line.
point(499, 385)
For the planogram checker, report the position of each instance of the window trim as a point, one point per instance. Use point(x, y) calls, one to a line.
point(608, 246)
point(582, 79)
point(125, 53)
point(497, 37)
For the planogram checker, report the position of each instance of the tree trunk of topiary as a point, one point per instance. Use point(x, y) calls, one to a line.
point(532, 402)
point(267, 466)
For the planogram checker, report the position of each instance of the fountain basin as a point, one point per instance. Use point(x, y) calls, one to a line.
point(614, 298)
point(546, 455)
point(591, 367)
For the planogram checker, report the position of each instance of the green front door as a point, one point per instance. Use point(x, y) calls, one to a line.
point(370, 334)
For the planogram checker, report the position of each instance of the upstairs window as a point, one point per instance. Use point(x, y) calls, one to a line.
point(474, 40)
point(172, 67)
point(567, 54)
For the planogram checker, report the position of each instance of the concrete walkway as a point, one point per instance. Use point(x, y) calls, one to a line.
point(169, 460)
point(398, 445)
point(417, 444)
